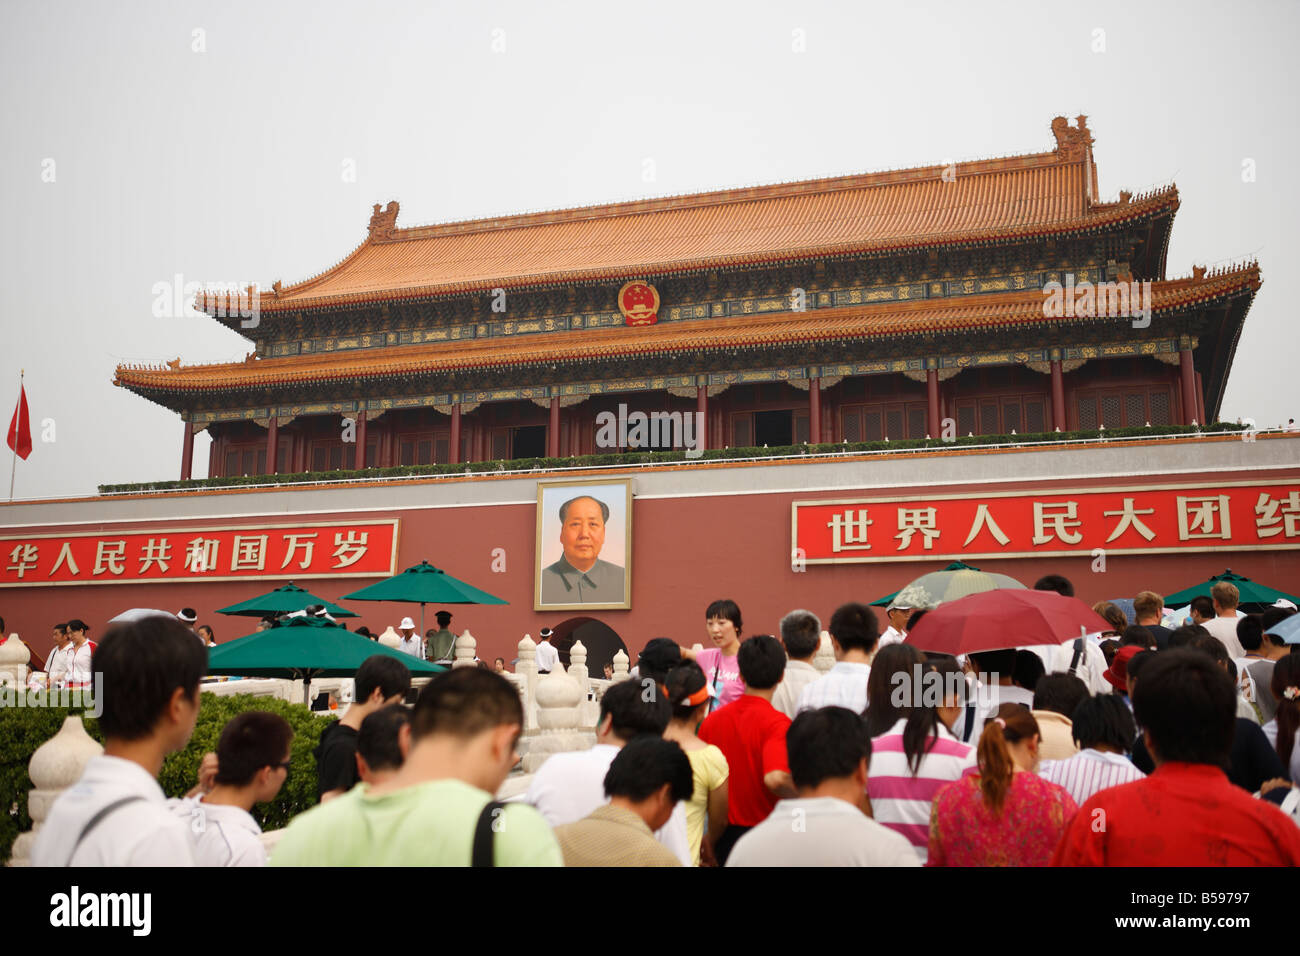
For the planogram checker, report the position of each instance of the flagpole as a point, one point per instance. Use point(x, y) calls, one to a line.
point(13, 467)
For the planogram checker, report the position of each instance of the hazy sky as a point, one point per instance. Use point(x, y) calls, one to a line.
point(221, 155)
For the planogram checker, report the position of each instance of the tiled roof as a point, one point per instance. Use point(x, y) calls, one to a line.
point(1021, 308)
point(1019, 196)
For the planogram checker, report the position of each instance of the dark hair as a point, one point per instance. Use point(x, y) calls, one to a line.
point(644, 765)
point(387, 673)
point(1000, 662)
point(464, 703)
point(564, 510)
point(188, 612)
point(801, 632)
point(1060, 693)
point(1207, 643)
point(1137, 662)
point(683, 681)
point(143, 662)
point(207, 627)
point(1055, 582)
point(1104, 719)
point(363, 631)
point(827, 743)
point(725, 608)
point(997, 766)
point(250, 741)
point(1137, 634)
point(1028, 670)
point(657, 658)
point(855, 626)
point(881, 714)
point(1184, 635)
point(1109, 648)
point(762, 662)
point(1188, 706)
point(1202, 605)
point(634, 709)
point(444, 617)
point(377, 739)
point(1286, 673)
point(76, 624)
point(922, 728)
point(61, 628)
point(1250, 632)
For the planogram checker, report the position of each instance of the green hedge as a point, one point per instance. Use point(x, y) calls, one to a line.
point(654, 457)
point(23, 730)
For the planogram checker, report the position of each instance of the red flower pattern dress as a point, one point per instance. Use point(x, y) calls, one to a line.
point(965, 832)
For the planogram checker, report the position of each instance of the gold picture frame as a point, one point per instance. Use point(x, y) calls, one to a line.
point(583, 562)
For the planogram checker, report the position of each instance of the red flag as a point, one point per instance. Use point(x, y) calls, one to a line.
point(20, 429)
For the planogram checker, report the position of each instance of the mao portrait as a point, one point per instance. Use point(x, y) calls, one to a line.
point(583, 545)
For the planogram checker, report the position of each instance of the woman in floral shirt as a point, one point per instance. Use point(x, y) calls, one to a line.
point(1005, 815)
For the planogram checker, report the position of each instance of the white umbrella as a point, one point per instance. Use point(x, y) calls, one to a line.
point(137, 613)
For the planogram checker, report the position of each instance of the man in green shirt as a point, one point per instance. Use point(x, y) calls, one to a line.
point(440, 645)
point(464, 729)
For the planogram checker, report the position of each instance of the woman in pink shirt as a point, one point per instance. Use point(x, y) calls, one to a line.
point(722, 621)
point(1005, 815)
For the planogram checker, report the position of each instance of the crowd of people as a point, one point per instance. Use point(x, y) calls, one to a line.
point(1138, 745)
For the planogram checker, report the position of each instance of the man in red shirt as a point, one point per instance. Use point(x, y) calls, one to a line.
point(1186, 813)
point(750, 732)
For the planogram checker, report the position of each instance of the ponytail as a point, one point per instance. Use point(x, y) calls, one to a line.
point(1012, 724)
point(1286, 681)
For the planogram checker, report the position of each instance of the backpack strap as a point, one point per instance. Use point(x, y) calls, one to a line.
point(485, 835)
point(970, 721)
point(1078, 653)
point(99, 818)
point(1291, 804)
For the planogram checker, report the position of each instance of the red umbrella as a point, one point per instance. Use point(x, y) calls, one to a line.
point(992, 620)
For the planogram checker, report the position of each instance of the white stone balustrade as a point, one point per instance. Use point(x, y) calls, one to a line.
point(466, 648)
point(558, 700)
point(56, 765)
point(390, 638)
point(14, 658)
point(824, 659)
point(526, 670)
point(621, 671)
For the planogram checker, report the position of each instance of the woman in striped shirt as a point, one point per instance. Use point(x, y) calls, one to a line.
point(1102, 727)
point(919, 754)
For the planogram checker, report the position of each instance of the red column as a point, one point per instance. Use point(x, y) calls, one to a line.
point(932, 401)
point(187, 452)
point(553, 429)
point(702, 416)
point(1200, 400)
point(815, 411)
point(1188, 375)
point(1058, 396)
point(455, 433)
point(360, 436)
point(272, 445)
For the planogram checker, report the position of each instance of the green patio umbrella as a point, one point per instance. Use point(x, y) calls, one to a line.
point(283, 600)
point(303, 648)
point(1253, 597)
point(955, 566)
point(424, 584)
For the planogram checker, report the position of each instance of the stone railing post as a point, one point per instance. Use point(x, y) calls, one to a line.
point(389, 638)
point(14, 658)
point(824, 659)
point(466, 647)
point(620, 666)
point(558, 699)
point(56, 765)
point(527, 671)
point(588, 711)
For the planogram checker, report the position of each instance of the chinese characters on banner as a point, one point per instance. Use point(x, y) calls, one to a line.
point(203, 554)
point(1135, 520)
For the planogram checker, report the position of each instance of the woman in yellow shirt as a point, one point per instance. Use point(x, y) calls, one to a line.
point(706, 812)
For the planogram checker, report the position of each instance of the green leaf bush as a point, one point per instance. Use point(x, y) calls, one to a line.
point(638, 459)
point(23, 730)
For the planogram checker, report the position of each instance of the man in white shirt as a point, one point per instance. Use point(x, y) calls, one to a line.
point(570, 785)
point(252, 765)
point(989, 691)
point(801, 633)
point(829, 753)
point(898, 615)
point(854, 633)
point(547, 656)
point(79, 652)
point(56, 665)
point(1224, 624)
point(116, 814)
point(411, 642)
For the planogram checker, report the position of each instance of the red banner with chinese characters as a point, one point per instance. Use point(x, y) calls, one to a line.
point(201, 554)
point(1229, 516)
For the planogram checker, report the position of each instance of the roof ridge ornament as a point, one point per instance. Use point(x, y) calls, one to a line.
point(383, 223)
point(1072, 142)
